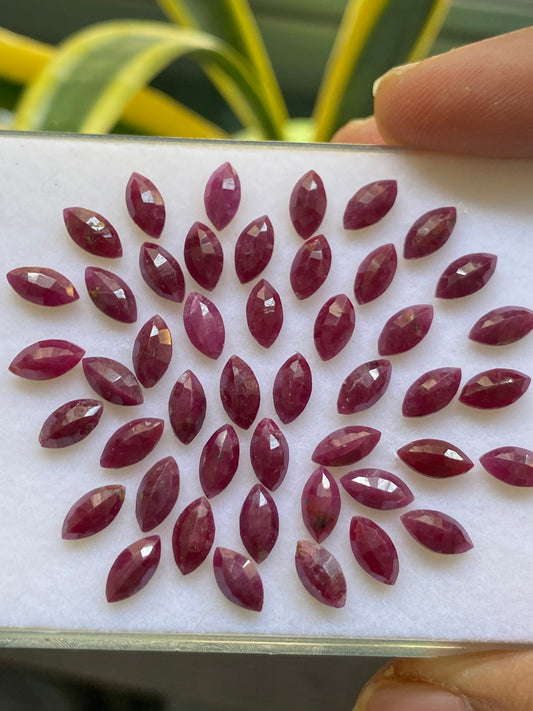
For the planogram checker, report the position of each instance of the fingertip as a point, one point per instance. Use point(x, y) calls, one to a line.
point(359, 131)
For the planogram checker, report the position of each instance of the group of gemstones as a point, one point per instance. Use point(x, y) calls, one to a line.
point(194, 531)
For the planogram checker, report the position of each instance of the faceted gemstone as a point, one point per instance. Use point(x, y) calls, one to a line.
point(429, 233)
point(466, 275)
point(47, 359)
point(203, 255)
point(269, 454)
point(112, 381)
point(320, 573)
point(193, 535)
point(375, 273)
point(70, 423)
point(222, 195)
point(334, 326)
point(499, 327)
point(346, 445)
point(254, 248)
point(437, 531)
point(431, 392)
point(111, 295)
point(157, 493)
point(497, 387)
point(133, 569)
point(259, 523)
point(307, 204)
point(435, 458)
point(364, 386)
point(374, 550)
point(145, 205)
point(512, 465)
point(219, 460)
point(162, 272)
point(310, 267)
point(369, 204)
point(187, 407)
point(92, 232)
point(292, 388)
point(377, 489)
point(405, 329)
point(238, 579)
point(93, 512)
point(321, 504)
point(42, 286)
point(239, 392)
point(264, 313)
point(204, 325)
point(152, 351)
point(132, 442)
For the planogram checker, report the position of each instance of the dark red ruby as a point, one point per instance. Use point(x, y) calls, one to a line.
point(238, 579)
point(133, 569)
point(42, 286)
point(204, 325)
point(320, 573)
point(429, 232)
point(375, 273)
point(292, 388)
point(157, 493)
point(93, 512)
point(466, 275)
point(254, 248)
point(239, 392)
point(334, 326)
point(370, 204)
point(310, 267)
point(405, 329)
point(112, 381)
point(145, 205)
point(499, 327)
point(435, 458)
point(203, 255)
point(364, 386)
point(111, 295)
point(193, 535)
point(132, 442)
point(47, 359)
point(377, 489)
point(152, 351)
point(269, 454)
point(497, 387)
point(187, 407)
point(70, 423)
point(264, 313)
point(92, 232)
point(162, 272)
point(431, 392)
point(374, 550)
point(321, 504)
point(222, 195)
point(219, 460)
point(512, 465)
point(307, 205)
point(437, 531)
point(259, 523)
point(346, 445)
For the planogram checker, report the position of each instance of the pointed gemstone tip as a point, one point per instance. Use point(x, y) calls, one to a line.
point(370, 204)
point(222, 195)
point(307, 204)
point(145, 205)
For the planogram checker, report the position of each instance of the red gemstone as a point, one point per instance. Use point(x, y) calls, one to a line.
point(377, 489)
point(310, 267)
point(375, 273)
point(222, 195)
point(204, 325)
point(346, 445)
point(219, 460)
point(512, 465)
point(364, 386)
point(321, 504)
point(70, 423)
point(238, 579)
point(369, 204)
point(254, 248)
point(157, 493)
point(292, 388)
point(405, 329)
point(466, 275)
point(187, 407)
point(145, 205)
point(430, 232)
point(269, 454)
point(374, 550)
point(499, 327)
point(92, 232)
point(437, 531)
point(264, 313)
point(431, 392)
point(112, 381)
point(132, 442)
point(133, 569)
point(42, 286)
point(259, 523)
point(320, 573)
point(152, 351)
point(111, 295)
point(497, 387)
point(334, 326)
point(203, 255)
point(162, 272)
point(93, 512)
point(47, 359)
point(239, 392)
point(307, 205)
point(193, 535)
point(435, 458)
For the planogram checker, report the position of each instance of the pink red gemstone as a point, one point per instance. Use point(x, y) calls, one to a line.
point(239, 392)
point(370, 204)
point(254, 248)
point(132, 442)
point(111, 295)
point(204, 325)
point(512, 465)
point(501, 326)
point(374, 550)
point(203, 255)
point(437, 531)
point(307, 205)
point(377, 489)
point(320, 574)
point(435, 458)
point(93, 512)
point(187, 407)
point(497, 387)
point(430, 232)
point(346, 445)
point(222, 195)
point(431, 392)
point(321, 504)
point(238, 579)
point(405, 329)
point(162, 272)
point(466, 275)
point(42, 286)
point(292, 388)
point(92, 232)
point(364, 386)
point(264, 313)
point(219, 460)
point(310, 267)
point(375, 273)
point(70, 423)
point(334, 326)
point(157, 493)
point(145, 205)
point(193, 535)
point(45, 360)
point(152, 351)
point(112, 381)
point(133, 569)
point(259, 523)
point(269, 454)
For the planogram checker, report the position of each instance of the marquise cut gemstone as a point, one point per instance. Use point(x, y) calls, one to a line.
point(93, 512)
point(42, 286)
point(162, 272)
point(259, 523)
point(405, 329)
point(92, 232)
point(334, 326)
point(512, 465)
point(253, 249)
point(346, 445)
point(269, 454)
point(435, 458)
point(494, 388)
point(132, 442)
point(152, 351)
point(204, 325)
point(429, 232)
point(70, 423)
point(112, 381)
point(219, 460)
point(187, 407)
point(377, 489)
point(111, 295)
point(47, 359)
point(239, 392)
point(310, 266)
point(264, 313)
point(375, 273)
point(431, 392)
point(307, 204)
point(222, 195)
point(364, 386)
point(193, 535)
point(502, 326)
point(145, 205)
point(370, 204)
point(466, 275)
point(157, 493)
point(320, 573)
point(437, 531)
point(238, 579)
point(374, 550)
point(203, 255)
point(292, 388)
point(321, 504)
point(133, 568)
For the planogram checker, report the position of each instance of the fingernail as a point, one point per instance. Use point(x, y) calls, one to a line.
point(394, 72)
point(408, 696)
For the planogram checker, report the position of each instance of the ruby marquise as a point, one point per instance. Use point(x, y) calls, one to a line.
point(162, 272)
point(431, 392)
point(292, 389)
point(259, 523)
point(512, 465)
point(370, 204)
point(93, 512)
point(429, 232)
point(375, 273)
point(377, 489)
point(152, 351)
point(47, 359)
point(222, 195)
point(111, 295)
point(334, 326)
point(193, 535)
point(435, 458)
point(112, 381)
point(310, 267)
point(133, 568)
point(502, 326)
point(239, 392)
point(307, 204)
point(70, 423)
point(238, 579)
point(321, 504)
point(374, 550)
point(253, 249)
point(219, 460)
point(204, 325)
point(42, 286)
point(157, 493)
point(346, 445)
point(132, 442)
point(320, 573)
point(494, 388)
point(269, 454)
point(145, 205)
point(264, 313)
point(364, 386)
point(203, 255)
point(466, 275)
point(437, 531)
point(92, 232)
point(187, 407)
point(405, 329)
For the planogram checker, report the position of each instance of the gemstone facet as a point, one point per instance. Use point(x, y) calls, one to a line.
point(204, 325)
point(375, 273)
point(307, 205)
point(431, 392)
point(269, 454)
point(346, 445)
point(370, 204)
point(193, 535)
point(132, 442)
point(264, 313)
point(377, 489)
point(70, 423)
point(145, 205)
point(238, 579)
point(374, 550)
point(222, 195)
point(494, 388)
point(320, 573)
point(364, 386)
point(259, 523)
point(47, 359)
point(466, 275)
point(292, 388)
point(435, 458)
point(152, 351)
point(310, 266)
point(187, 407)
point(334, 326)
point(162, 272)
point(512, 465)
point(42, 286)
point(239, 392)
point(437, 531)
point(92, 232)
point(203, 255)
point(253, 249)
point(502, 326)
point(133, 568)
point(321, 504)
point(219, 460)
point(405, 329)
point(112, 381)
point(157, 493)
point(111, 295)
point(429, 233)
point(93, 512)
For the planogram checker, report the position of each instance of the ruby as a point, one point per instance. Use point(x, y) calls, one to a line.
point(259, 523)
point(334, 326)
point(377, 489)
point(157, 493)
point(219, 460)
point(162, 272)
point(321, 504)
point(222, 195)
point(466, 275)
point(310, 267)
point(375, 273)
point(370, 204)
point(346, 445)
point(320, 574)
point(431, 392)
point(70, 423)
point(494, 388)
point(253, 249)
point(152, 351)
point(238, 579)
point(429, 233)
point(111, 295)
point(133, 569)
point(264, 313)
point(42, 286)
point(187, 407)
point(437, 531)
point(405, 329)
point(132, 442)
point(435, 458)
point(269, 454)
point(46, 359)
point(239, 392)
point(307, 205)
point(374, 550)
point(193, 535)
point(112, 381)
point(292, 388)
point(364, 386)
point(145, 205)
point(204, 325)
point(93, 512)
point(203, 255)
point(502, 326)
point(512, 465)
point(92, 232)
